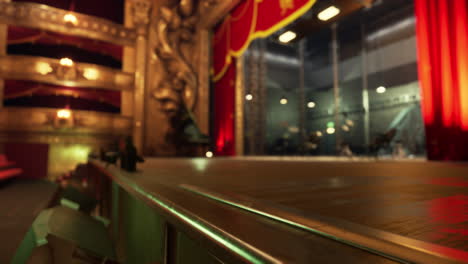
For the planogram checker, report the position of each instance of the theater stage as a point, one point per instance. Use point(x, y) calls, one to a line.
point(331, 212)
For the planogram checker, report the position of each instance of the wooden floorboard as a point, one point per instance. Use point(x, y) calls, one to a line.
point(20, 203)
point(424, 201)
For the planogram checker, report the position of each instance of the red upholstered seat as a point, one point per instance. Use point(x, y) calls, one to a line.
point(6, 168)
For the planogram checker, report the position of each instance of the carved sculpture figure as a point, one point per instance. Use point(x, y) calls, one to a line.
point(175, 28)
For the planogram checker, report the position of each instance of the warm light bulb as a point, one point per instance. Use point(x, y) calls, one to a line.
point(64, 113)
point(319, 133)
point(381, 89)
point(283, 101)
point(249, 97)
point(209, 154)
point(43, 68)
point(345, 128)
point(91, 74)
point(70, 18)
point(330, 130)
point(311, 104)
point(287, 37)
point(66, 62)
point(328, 13)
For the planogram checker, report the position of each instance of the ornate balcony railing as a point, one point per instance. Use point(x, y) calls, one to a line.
point(51, 71)
point(42, 125)
point(48, 18)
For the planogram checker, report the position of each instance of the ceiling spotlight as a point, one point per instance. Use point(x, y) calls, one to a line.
point(209, 154)
point(283, 100)
point(381, 89)
point(311, 104)
point(330, 130)
point(287, 36)
point(328, 13)
point(345, 128)
point(248, 97)
point(66, 62)
point(70, 18)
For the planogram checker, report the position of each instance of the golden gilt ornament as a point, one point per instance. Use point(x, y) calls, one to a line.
point(286, 5)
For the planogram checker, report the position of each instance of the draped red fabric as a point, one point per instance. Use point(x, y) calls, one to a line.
point(224, 113)
point(442, 29)
point(20, 35)
point(249, 20)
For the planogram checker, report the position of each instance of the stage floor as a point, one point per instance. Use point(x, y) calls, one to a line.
point(425, 202)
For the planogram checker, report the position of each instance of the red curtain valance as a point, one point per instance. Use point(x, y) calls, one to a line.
point(20, 35)
point(442, 34)
point(252, 19)
point(15, 89)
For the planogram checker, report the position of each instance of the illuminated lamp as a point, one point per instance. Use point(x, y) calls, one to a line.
point(381, 89)
point(328, 13)
point(330, 130)
point(249, 97)
point(64, 114)
point(311, 104)
point(91, 74)
point(66, 62)
point(70, 18)
point(209, 154)
point(283, 100)
point(287, 37)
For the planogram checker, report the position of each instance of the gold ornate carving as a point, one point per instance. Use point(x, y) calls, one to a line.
point(49, 70)
point(141, 11)
point(175, 29)
point(53, 19)
point(176, 32)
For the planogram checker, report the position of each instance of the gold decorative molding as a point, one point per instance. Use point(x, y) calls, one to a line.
point(216, 10)
point(40, 125)
point(140, 18)
point(239, 106)
point(52, 19)
point(178, 72)
point(51, 71)
point(140, 15)
point(175, 32)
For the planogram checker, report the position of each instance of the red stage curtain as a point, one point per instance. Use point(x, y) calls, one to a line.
point(443, 73)
point(250, 20)
point(224, 113)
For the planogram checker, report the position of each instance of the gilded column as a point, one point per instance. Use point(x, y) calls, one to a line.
point(239, 106)
point(128, 62)
point(140, 12)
